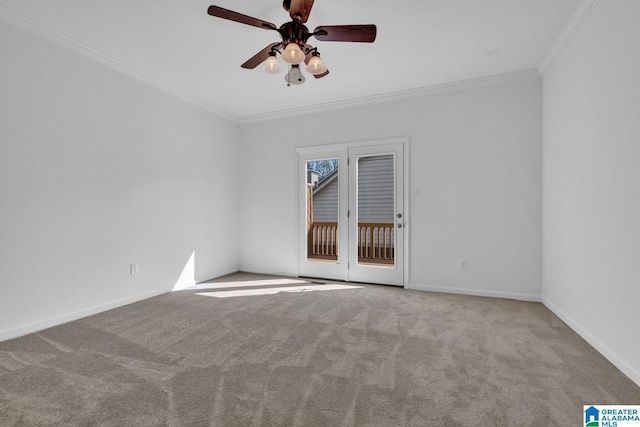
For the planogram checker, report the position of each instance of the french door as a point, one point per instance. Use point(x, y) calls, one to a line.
point(352, 212)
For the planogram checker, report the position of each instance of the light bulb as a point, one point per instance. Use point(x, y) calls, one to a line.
point(294, 76)
point(272, 65)
point(316, 66)
point(293, 54)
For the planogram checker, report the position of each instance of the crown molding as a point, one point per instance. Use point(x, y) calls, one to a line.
point(499, 79)
point(571, 28)
point(63, 40)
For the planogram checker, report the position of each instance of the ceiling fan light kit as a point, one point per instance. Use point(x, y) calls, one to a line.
point(316, 66)
point(293, 54)
point(271, 64)
point(294, 37)
point(294, 76)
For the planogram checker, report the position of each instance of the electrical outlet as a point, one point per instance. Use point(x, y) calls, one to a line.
point(463, 264)
point(133, 269)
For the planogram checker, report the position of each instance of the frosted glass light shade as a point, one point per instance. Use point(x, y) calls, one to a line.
point(294, 76)
point(293, 54)
point(316, 66)
point(272, 65)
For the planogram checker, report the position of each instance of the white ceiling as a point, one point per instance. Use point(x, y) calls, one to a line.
point(420, 43)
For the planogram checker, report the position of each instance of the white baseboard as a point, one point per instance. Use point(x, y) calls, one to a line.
point(40, 325)
point(476, 292)
point(269, 272)
point(184, 284)
point(218, 275)
point(594, 342)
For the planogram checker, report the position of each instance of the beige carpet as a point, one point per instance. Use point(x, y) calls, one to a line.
point(280, 353)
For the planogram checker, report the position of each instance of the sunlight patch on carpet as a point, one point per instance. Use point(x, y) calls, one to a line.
point(245, 284)
point(273, 291)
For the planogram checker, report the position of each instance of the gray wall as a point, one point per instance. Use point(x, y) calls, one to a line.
point(325, 202)
point(475, 160)
point(99, 171)
point(375, 189)
point(591, 184)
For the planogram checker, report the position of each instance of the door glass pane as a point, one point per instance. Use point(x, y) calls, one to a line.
point(322, 210)
point(375, 210)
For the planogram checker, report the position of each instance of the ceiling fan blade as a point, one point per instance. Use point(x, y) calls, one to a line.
point(346, 33)
point(301, 7)
point(319, 76)
point(220, 12)
point(260, 57)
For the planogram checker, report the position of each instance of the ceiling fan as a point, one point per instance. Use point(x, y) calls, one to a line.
point(294, 48)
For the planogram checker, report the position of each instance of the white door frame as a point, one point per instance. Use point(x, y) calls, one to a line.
point(331, 151)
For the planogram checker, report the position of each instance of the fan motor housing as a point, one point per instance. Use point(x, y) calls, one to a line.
point(294, 31)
